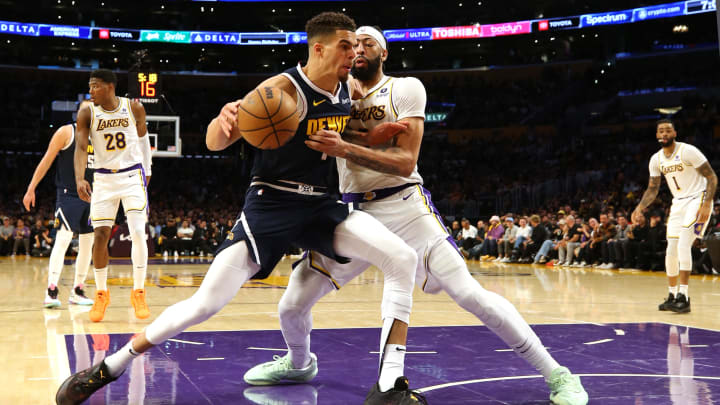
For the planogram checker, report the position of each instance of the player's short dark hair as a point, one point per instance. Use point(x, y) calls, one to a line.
point(108, 76)
point(664, 121)
point(327, 23)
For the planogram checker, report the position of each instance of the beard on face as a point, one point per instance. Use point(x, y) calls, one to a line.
point(368, 71)
point(666, 142)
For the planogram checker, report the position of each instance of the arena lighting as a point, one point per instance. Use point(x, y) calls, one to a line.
point(668, 10)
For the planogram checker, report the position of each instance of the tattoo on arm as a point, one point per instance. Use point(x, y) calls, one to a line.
point(712, 180)
point(650, 193)
point(373, 164)
point(354, 136)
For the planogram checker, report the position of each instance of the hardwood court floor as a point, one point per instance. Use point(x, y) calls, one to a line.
point(34, 353)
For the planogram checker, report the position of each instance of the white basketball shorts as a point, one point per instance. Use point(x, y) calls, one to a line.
point(111, 188)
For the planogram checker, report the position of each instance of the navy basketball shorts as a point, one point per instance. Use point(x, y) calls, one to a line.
point(273, 220)
point(72, 213)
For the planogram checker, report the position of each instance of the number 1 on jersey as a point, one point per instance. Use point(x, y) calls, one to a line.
point(676, 183)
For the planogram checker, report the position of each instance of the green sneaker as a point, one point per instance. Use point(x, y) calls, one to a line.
point(281, 370)
point(565, 388)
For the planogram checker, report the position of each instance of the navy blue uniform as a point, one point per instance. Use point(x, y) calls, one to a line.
point(70, 211)
point(287, 201)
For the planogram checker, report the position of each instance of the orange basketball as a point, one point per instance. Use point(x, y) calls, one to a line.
point(267, 118)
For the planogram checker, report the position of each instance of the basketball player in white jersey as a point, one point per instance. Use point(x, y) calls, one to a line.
point(692, 182)
point(115, 125)
point(384, 180)
point(71, 214)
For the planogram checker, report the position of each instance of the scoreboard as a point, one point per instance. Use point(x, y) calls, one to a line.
point(145, 85)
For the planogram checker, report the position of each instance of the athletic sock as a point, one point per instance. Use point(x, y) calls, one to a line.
point(118, 362)
point(683, 289)
point(393, 366)
point(101, 278)
point(673, 290)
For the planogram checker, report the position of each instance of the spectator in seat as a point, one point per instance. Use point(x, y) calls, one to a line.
point(575, 233)
point(538, 235)
point(21, 236)
point(168, 237)
point(36, 229)
point(43, 243)
point(215, 238)
point(201, 238)
point(638, 234)
point(584, 253)
point(6, 236)
point(619, 243)
point(455, 230)
point(523, 233)
point(185, 238)
point(656, 243)
point(467, 237)
point(505, 245)
point(553, 244)
point(570, 241)
point(607, 232)
point(482, 230)
point(489, 246)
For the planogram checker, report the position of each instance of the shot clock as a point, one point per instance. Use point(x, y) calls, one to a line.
point(145, 85)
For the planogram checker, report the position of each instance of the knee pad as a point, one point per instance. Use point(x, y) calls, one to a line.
point(672, 263)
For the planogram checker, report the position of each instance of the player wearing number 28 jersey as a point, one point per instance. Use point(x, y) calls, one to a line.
point(115, 126)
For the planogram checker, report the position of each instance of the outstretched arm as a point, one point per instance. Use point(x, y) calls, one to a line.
point(58, 141)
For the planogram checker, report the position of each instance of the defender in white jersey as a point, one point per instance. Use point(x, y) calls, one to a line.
point(692, 183)
point(384, 180)
point(115, 125)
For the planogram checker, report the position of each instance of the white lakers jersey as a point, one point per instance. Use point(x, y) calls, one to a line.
point(391, 100)
point(114, 136)
point(680, 170)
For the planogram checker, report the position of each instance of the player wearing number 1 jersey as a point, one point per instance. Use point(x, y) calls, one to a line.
point(115, 125)
point(692, 182)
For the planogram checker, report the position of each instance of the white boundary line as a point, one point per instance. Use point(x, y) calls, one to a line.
point(526, 377)
point(185, 341)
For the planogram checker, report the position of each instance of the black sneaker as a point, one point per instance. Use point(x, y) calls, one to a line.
point(681, 304)
point(665, 306)
point(400, 394)
point(51, 298)
point(81, 385)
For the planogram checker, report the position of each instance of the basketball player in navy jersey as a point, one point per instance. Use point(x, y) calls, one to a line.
point(384, 180)
point(286, 203)
point(71, 213)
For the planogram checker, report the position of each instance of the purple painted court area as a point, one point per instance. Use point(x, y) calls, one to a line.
point(646, 363)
